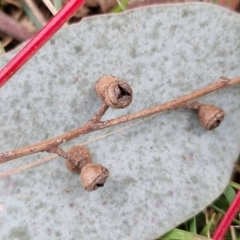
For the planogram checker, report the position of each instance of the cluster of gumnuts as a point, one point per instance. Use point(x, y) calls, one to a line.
point(118, 94)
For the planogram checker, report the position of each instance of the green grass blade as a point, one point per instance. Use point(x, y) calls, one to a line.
point(208, 226)
point(29, 13)
point(235, 185)
point(121, 6)
point(193, 225)
point(229, 193)
point(186, 227)
point(57, 4)
point(221, 203)
point(221, 211)
point(178, 234)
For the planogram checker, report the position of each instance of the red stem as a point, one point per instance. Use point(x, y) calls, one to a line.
point(39, 39)
point(228, 218)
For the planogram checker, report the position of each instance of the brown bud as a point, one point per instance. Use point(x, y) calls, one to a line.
point(210, 116)
point(115, 93)
point(78, 156)
point(93, 176)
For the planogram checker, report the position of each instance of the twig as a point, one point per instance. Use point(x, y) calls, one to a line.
point(14, 29)
point(2, 50)
point(99, 114)
point(95, 124)
point(52, 9)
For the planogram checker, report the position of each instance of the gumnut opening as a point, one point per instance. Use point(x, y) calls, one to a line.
point(210, 116)
point(115, 93)
point(118, 94)
point(78, 157)
point(93, 176)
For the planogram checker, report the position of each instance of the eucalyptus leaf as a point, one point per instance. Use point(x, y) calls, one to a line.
point(163, 169)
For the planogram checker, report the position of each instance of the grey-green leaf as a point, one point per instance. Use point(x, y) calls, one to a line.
point(163, 170)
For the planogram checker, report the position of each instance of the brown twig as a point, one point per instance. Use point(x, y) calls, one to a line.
point(95, 124)
point(52, 9)
point(99, 114)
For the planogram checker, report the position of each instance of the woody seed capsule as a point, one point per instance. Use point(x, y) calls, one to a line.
point(115, 93)
point(93, 176)
point(210, 116)
point(78, 157)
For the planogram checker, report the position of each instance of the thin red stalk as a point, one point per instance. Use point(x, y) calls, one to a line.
point(39, 39)
point(227, 219)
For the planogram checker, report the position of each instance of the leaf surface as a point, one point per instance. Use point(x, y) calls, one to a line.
point(163, 169)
